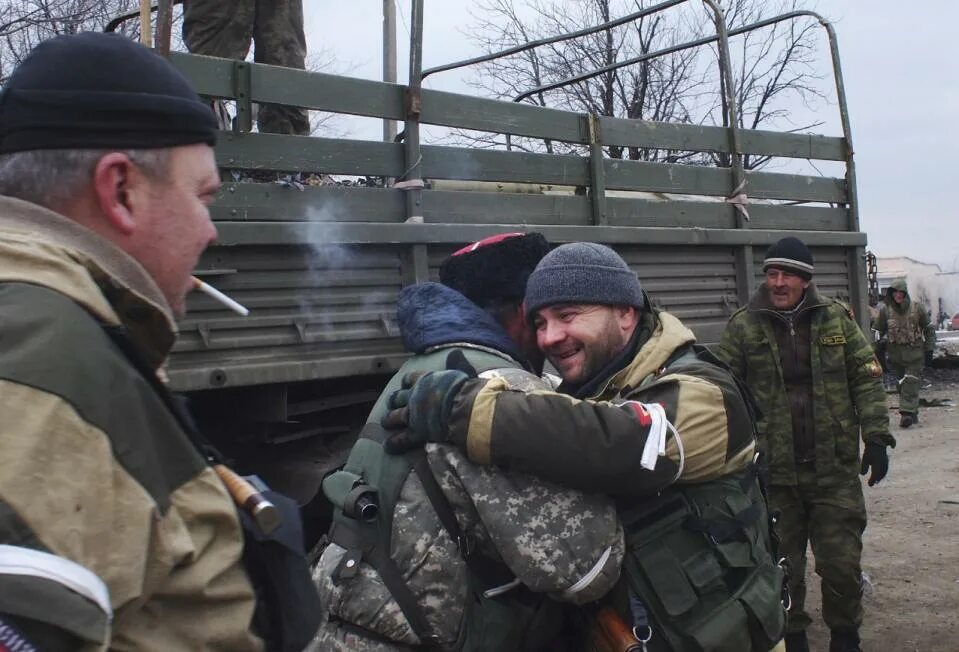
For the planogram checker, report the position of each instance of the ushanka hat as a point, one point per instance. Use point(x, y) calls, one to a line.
point(495, 268)
point(99, 91)
point(791, 255)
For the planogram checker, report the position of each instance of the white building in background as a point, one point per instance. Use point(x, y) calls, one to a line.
point(928, 284)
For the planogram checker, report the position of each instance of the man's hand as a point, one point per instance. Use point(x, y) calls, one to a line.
point(928, 358)
point(877, 458)
point(420, 411)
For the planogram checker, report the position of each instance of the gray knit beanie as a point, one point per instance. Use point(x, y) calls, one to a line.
point(582, 272)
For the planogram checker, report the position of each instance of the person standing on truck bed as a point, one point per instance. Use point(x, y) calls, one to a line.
point(114, 531)
point(218, 28)
point(910, 339)
point(644, 416)
point(818, 387)
point(458, 556)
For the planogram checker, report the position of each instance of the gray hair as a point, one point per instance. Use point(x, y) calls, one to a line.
point(53, 177)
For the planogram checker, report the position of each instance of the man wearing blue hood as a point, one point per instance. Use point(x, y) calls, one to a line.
point(457, 556)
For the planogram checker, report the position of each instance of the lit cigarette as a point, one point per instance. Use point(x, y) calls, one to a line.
point(211, 291)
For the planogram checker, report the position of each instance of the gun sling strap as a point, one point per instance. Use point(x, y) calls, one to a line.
point(362, 542)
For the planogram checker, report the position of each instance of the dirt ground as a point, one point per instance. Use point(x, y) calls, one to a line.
point(911, 545)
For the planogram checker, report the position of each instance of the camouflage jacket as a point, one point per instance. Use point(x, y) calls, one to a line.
point(114, 530)
point(554, 540)
point(597, 444)
point(847, 394)
point(905, 325)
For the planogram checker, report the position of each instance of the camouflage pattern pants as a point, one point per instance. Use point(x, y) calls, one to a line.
point(906, 363)
point(225, 28)
point(832, 519)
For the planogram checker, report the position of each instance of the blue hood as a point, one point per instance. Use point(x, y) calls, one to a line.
point(431, 314)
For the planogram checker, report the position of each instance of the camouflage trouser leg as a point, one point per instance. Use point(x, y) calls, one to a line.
point(226, 29)
point(280, 41)
point(832, 519)
point(219, 29)
point(906, 364)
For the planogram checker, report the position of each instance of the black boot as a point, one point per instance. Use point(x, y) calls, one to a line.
point(844, 642)
point(907, 419)
point(797, 642)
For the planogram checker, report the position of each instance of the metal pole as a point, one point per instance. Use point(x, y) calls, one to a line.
point(416, 265)
point(389, 59)
point(146, 33)
point(555, 39)
point(745, 274)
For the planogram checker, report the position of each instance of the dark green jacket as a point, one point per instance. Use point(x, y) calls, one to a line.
point(848, 397)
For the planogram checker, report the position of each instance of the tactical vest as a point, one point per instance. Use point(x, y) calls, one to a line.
point(903, 327)
point(364, 494)
point(700, 564)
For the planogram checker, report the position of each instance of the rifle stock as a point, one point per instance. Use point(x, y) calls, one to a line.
point(611, 634)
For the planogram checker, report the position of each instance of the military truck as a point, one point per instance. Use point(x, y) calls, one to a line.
point(285, 389)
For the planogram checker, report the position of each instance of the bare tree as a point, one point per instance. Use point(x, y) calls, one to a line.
point(772, 67)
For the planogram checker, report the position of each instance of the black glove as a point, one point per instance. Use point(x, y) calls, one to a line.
point(876, 457)
point(928, 358)
point(420, 412)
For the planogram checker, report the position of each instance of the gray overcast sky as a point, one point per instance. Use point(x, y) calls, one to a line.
point(899, 62)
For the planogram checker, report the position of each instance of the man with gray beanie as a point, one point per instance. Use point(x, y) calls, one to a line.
point(467, 555)
point(645, 416)
point(115, 532)
point(817, 384)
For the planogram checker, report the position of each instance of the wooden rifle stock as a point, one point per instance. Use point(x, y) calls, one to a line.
point(611, 634)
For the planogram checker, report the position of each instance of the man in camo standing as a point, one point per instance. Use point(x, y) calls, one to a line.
point(817, 384)
point(910, 340)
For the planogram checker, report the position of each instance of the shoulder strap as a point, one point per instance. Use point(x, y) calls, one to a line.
point(699, 353)
point(118, 335)
point(365, 541)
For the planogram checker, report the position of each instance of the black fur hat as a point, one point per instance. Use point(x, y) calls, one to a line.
point(496, 268)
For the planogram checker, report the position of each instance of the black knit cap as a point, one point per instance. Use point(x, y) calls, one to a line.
point(583, 272)
point(791, 255)
point(495, 268)
point(99, 91)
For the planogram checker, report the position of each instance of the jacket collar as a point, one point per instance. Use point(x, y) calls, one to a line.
point(42, 247)
point(760, 302)
point(432, 315)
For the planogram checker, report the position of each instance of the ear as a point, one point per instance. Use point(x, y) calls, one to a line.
point(627, 317)
point(115, 178)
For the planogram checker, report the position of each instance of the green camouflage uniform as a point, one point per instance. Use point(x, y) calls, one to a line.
point(225, 29)
point(816, 487)
point(910, 335)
